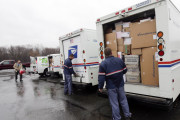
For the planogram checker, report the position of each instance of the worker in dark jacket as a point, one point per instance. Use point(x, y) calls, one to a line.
point(112, 70)
point(68, 71)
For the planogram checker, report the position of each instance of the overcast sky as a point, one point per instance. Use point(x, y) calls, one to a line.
point(43, 21)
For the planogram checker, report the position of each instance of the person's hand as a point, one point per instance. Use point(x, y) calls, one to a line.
point(100, 90)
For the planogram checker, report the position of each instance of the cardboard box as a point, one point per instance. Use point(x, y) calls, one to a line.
point(127, 41)
point(118, 26)
point(143, 33)
point(109, 30)
point(110, 40)
point(136, 51)
point(133, 68)
point(133, 78)
point(114, 53)
point(127, 49)
point(120, 42)
point(149, 67)
point(132, 59)
point(121, 48)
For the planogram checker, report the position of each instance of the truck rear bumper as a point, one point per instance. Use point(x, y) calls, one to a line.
point(78, 84)
point(162, 103)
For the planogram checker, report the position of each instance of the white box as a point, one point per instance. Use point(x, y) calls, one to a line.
point(132, 59)
point(133, 78)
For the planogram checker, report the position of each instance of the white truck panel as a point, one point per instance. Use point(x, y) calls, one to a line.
point(76, 42)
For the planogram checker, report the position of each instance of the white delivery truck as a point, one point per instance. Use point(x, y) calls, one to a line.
point(33, 64)
point(39, 65)
point(83, 44)
point(54, 67)
point(167, 19)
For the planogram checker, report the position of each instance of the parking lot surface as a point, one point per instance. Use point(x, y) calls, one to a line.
point(37, 99)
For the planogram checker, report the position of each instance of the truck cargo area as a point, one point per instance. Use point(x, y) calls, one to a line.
point(133, 38)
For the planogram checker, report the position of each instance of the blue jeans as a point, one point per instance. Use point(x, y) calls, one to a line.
point(68, 84)
point(117, 96)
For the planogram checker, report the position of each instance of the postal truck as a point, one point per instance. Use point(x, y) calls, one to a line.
point(146, 37)
point(83, 44)
point(54, 67)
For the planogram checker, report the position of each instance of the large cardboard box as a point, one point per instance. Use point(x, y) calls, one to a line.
point(118, 26)
point(143, 34)
point(114, 53)
point(127, 49)
point(111, 41)
point(136, 51)
point(109, 30)
point(149, 67)
point(120, 42)
point(121, 48)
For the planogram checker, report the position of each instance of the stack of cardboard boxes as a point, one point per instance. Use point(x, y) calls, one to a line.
point(132, 64)
point(136, 39)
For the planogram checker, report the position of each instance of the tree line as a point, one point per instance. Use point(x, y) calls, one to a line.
point(23, 53)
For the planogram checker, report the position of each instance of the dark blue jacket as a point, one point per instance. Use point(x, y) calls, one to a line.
point(68, 68)
point(111, 70)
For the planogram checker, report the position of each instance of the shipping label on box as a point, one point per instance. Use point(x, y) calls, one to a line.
point(132, 59)
point(127, 41)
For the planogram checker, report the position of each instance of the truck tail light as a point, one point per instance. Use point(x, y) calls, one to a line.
point(160, 34)
point(161, 59)
point(84, 60)
point(85, 67)
point(102, 57)
point(101, 53)
point(83, 51)
point(160, 46)
point(161, 53)
point(101, 44)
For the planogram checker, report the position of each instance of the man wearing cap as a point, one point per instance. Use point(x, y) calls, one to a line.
point(112, 70)
point(18, 66)
point(68, 71)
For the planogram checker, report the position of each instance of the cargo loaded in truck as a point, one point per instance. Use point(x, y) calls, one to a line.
point(142, 36)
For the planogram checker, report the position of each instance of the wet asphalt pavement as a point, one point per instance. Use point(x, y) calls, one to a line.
point(37, 99)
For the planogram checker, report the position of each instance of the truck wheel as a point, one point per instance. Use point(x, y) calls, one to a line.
point(46, 73)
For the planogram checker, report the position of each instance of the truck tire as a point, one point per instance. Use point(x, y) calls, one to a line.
point(46, 73)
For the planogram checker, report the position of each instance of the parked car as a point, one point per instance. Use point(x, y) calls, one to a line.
point(8, 64)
